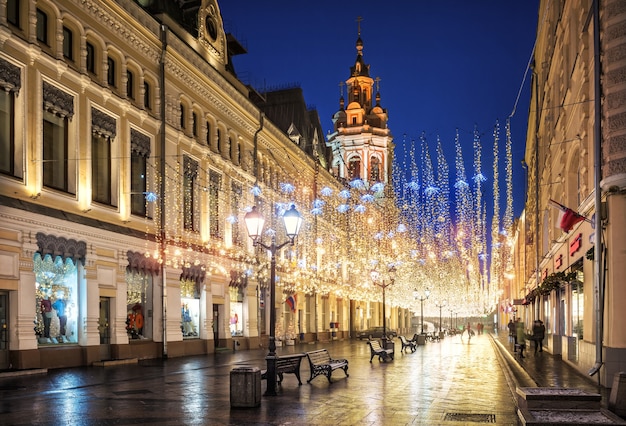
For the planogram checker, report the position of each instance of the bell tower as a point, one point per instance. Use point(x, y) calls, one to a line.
point(361, 143)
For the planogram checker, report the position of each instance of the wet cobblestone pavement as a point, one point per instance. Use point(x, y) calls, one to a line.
point(547, 370)
point(451, 382)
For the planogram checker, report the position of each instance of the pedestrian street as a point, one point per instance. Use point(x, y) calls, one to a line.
point(451, 382)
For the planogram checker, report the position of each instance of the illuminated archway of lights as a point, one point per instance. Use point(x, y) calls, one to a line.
point(431, 225)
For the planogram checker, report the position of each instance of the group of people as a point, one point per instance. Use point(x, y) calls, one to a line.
point(517, 332)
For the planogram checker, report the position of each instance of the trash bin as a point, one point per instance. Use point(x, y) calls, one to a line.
point(245, 387)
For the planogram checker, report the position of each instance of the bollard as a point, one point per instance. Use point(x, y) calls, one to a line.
point(617, 399)
point(245, 387)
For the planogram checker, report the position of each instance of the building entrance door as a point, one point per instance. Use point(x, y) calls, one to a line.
point(4, 331)
point(104, 327)
point(216, 327)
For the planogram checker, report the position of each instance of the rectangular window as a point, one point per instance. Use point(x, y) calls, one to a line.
point(13, 12)
point(182, 116)
point(111, 72)
point(100, 169)
point(188, 201)
point(91, 58)
point(68, 44)
point(215, 184)
point(130, 85)
point(7, 138)
point(235, 201)
point(138, 186)
point(42, 27)
point(208, 133)
point(146, 96)
point(139, 305)
point(55, 151)
point(194, 117)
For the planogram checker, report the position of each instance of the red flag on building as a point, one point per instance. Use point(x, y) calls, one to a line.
point(567, 217)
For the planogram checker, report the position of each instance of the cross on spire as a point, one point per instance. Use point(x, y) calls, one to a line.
point(341, 83)
point(358, 23)
point(377, 79)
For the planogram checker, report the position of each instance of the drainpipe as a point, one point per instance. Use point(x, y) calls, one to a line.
point(598, 288)
point(256, 179)
point(162, 189)
point(256, 149)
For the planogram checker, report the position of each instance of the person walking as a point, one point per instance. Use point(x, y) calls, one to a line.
point(521, 338)
point(512, 331)
point(539, 332)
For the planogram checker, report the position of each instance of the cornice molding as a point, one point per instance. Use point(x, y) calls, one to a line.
point(200, 90)
point(126, 30)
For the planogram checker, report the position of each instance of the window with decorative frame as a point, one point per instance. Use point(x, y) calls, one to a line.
point(215, 185)
point(235, 200)
point(58, 110)
point(7, 132)
point(189, 193)
point(139, 153)
point(10, 84)
point(147, 95)
point(14, 13)
point(139, 302)
point(42, 27)
point(183, 116)
point(374, 169)
point(91, 59)
point(130, 85)
point(111, 72)
point(218, 142)
point(68, 44)
point(103, 129)
point(354, 168)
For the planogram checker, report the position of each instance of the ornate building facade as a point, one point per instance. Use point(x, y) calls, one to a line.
point(570, 250)
point(130, 154)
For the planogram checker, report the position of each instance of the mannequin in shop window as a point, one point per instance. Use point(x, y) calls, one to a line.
point(59, 305)
point(188, 328)
point(134, 321)
point(46, 313)
point(234, 319)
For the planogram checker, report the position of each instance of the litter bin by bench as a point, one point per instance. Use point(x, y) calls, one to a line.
point(245, 387)
point(390, 344)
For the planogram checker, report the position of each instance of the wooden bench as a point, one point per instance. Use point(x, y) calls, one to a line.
point(286, 364)
point(321, 363)
point(407, 344)
point(377, 350)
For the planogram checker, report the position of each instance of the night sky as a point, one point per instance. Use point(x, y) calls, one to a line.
point(444, 65)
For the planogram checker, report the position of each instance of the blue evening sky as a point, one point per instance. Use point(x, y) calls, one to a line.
point(443, 65)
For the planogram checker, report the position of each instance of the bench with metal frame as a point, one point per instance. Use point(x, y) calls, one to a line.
point(321, 363)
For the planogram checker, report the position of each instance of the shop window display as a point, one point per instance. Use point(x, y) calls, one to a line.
point(189, 309)
point(139, 305)
point(55, 300)
point(236, 311)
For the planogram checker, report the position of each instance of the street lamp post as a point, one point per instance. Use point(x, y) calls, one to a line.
point(254, 224)
point(375, 275)
point(440, 305)
point(421, 298)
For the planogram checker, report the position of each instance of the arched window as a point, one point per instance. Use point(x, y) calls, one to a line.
point(354, 168)
point(374, 169)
